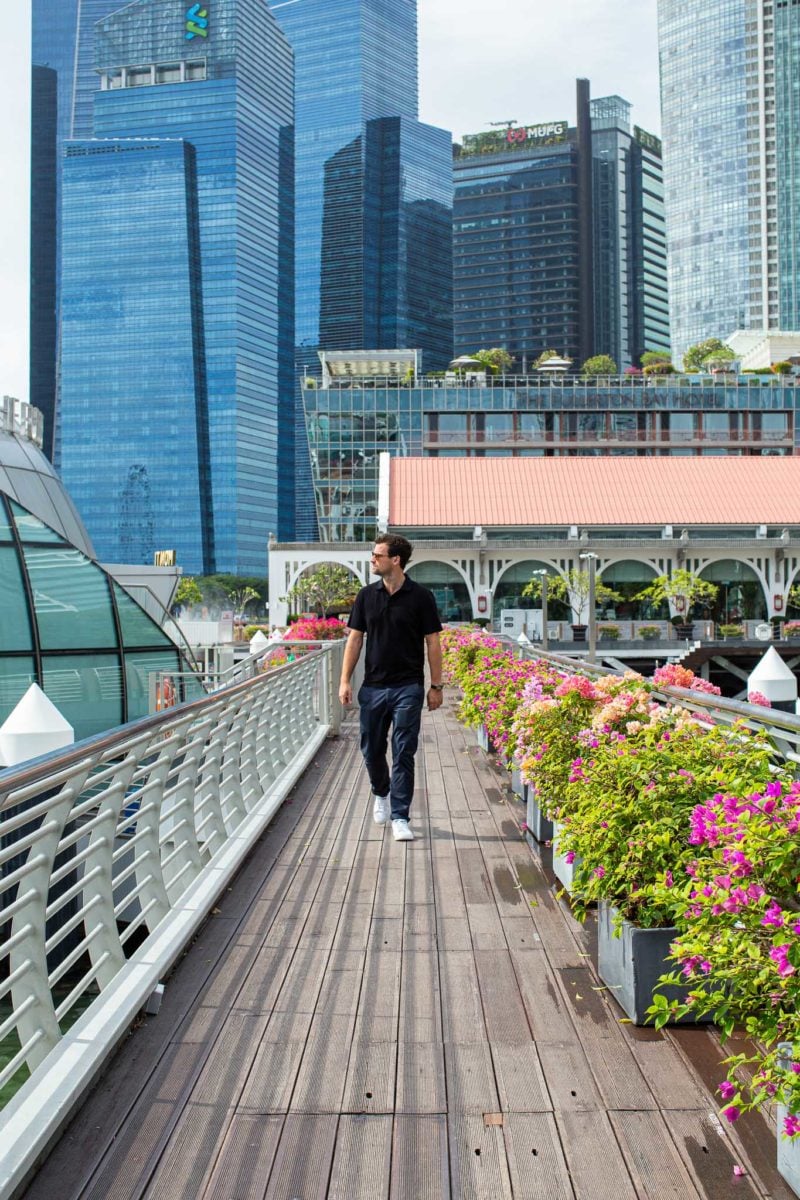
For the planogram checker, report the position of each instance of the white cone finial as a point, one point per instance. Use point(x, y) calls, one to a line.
point(34, 727)
point(258, 641)
point(773, 678)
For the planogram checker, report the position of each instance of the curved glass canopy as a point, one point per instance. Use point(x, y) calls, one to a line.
point(70, 627)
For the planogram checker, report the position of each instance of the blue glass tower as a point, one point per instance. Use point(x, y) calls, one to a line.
point(62, 83)
point(373, 251)
point(177, 333)
point(730, 108)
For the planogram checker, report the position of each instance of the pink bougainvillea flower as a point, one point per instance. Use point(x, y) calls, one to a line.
point(731, 1113)
point(726, 1090)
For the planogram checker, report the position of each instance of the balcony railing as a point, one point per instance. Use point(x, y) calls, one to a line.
point(111, 855)
point(637, 437)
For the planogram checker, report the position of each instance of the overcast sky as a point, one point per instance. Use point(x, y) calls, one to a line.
point(499, 61)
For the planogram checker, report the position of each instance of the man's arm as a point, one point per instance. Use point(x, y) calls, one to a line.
point(434, 647)
point(352, 652)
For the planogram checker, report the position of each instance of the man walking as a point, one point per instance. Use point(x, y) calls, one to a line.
point(399, 618)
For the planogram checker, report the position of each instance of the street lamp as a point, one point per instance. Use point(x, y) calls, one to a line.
point(590, 557)
point(542, 573)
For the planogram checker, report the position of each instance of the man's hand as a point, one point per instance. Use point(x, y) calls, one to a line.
point(345, 693)
point(435, 698)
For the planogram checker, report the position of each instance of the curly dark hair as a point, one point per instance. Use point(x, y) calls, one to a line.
point(396, 547)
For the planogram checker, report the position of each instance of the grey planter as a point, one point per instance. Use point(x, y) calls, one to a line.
point(482, 737)
point(539, 828)
point(563, 871)
point(631, 964)
point(788, 1154)
point(788, 1151)
point(518, 785)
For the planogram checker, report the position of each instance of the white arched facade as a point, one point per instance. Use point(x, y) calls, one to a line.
point(482, 563)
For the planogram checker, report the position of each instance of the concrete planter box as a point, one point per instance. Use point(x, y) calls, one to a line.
point(788, 1151)
point(631, 964)
point(539, 828)
point(482, 737)
point(518, 785)
point(563, 871)
point(788, 1154)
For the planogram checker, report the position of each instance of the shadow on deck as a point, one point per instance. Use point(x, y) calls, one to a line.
point(362, 1019)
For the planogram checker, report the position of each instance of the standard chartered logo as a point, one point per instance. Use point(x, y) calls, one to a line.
point(196, 22)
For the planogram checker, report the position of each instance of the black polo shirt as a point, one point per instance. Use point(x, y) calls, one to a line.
point(396, 626)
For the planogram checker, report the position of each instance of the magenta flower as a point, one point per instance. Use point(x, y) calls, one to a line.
point(726, 1090)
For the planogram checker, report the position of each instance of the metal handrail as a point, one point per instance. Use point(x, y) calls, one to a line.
point(112, 852)
point(781, 727)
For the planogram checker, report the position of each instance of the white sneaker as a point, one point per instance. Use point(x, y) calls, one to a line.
point(401, 831)
point(381, 809)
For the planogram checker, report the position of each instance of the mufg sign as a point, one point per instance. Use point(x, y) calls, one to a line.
point(196, 22)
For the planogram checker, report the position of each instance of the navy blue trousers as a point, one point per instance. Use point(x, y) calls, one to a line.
point(398, 709)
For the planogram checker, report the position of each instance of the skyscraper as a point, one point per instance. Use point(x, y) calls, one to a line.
point(62, 83)
point(373, 194)
point(176, 391)
point(559, 238)
point(730, 120)
point(631, 310)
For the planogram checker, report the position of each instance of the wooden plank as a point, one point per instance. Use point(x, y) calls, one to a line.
point(520, 1079)
point(621, 1082)
point(535, 1158)
point(453, 933)
point(302, 981)
point(386, 934)
point(371, 1074)
point(246, 1158)
point(230, 1059)
point(474, 878)
point(701, 1049)
point(303, 1161)
point(421, 1086)
point(521, 932)
point(380, 991)
point(568, 1077)
point(506, 1019)
point(596, 1164)
point(321, 1078)
point(544, 1002)
point(419, 927)
point(485, 927)
point(420, 1167)
point(276, 1064)
point(470, 1078)
point(260, 986)
point(420, 1017)
point(462, 1012)
point(478, 1165)
point(654, 1163)
point(362, 1161)
point(672, 1083)
point(191, 1153)
point(709, 1155)
point(588, 1007)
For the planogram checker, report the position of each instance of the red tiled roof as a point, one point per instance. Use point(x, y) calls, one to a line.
point(605, 491)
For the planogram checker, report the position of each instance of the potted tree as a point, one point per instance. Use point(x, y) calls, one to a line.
point(682, 589)
point(573, 588)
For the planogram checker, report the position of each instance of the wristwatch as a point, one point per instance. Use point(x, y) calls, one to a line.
point(437, 687)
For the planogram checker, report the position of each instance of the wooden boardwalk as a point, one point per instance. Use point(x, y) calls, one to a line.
point(362, 1019)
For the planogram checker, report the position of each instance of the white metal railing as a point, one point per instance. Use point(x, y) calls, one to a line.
point(782, 728)
point(111, 854)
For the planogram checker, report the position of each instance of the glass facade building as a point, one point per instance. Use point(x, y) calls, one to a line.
point(63, 81)
point(351, 422)
point(530, 238)
point(373, 251)
point(176, 397)
point(730, 116)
